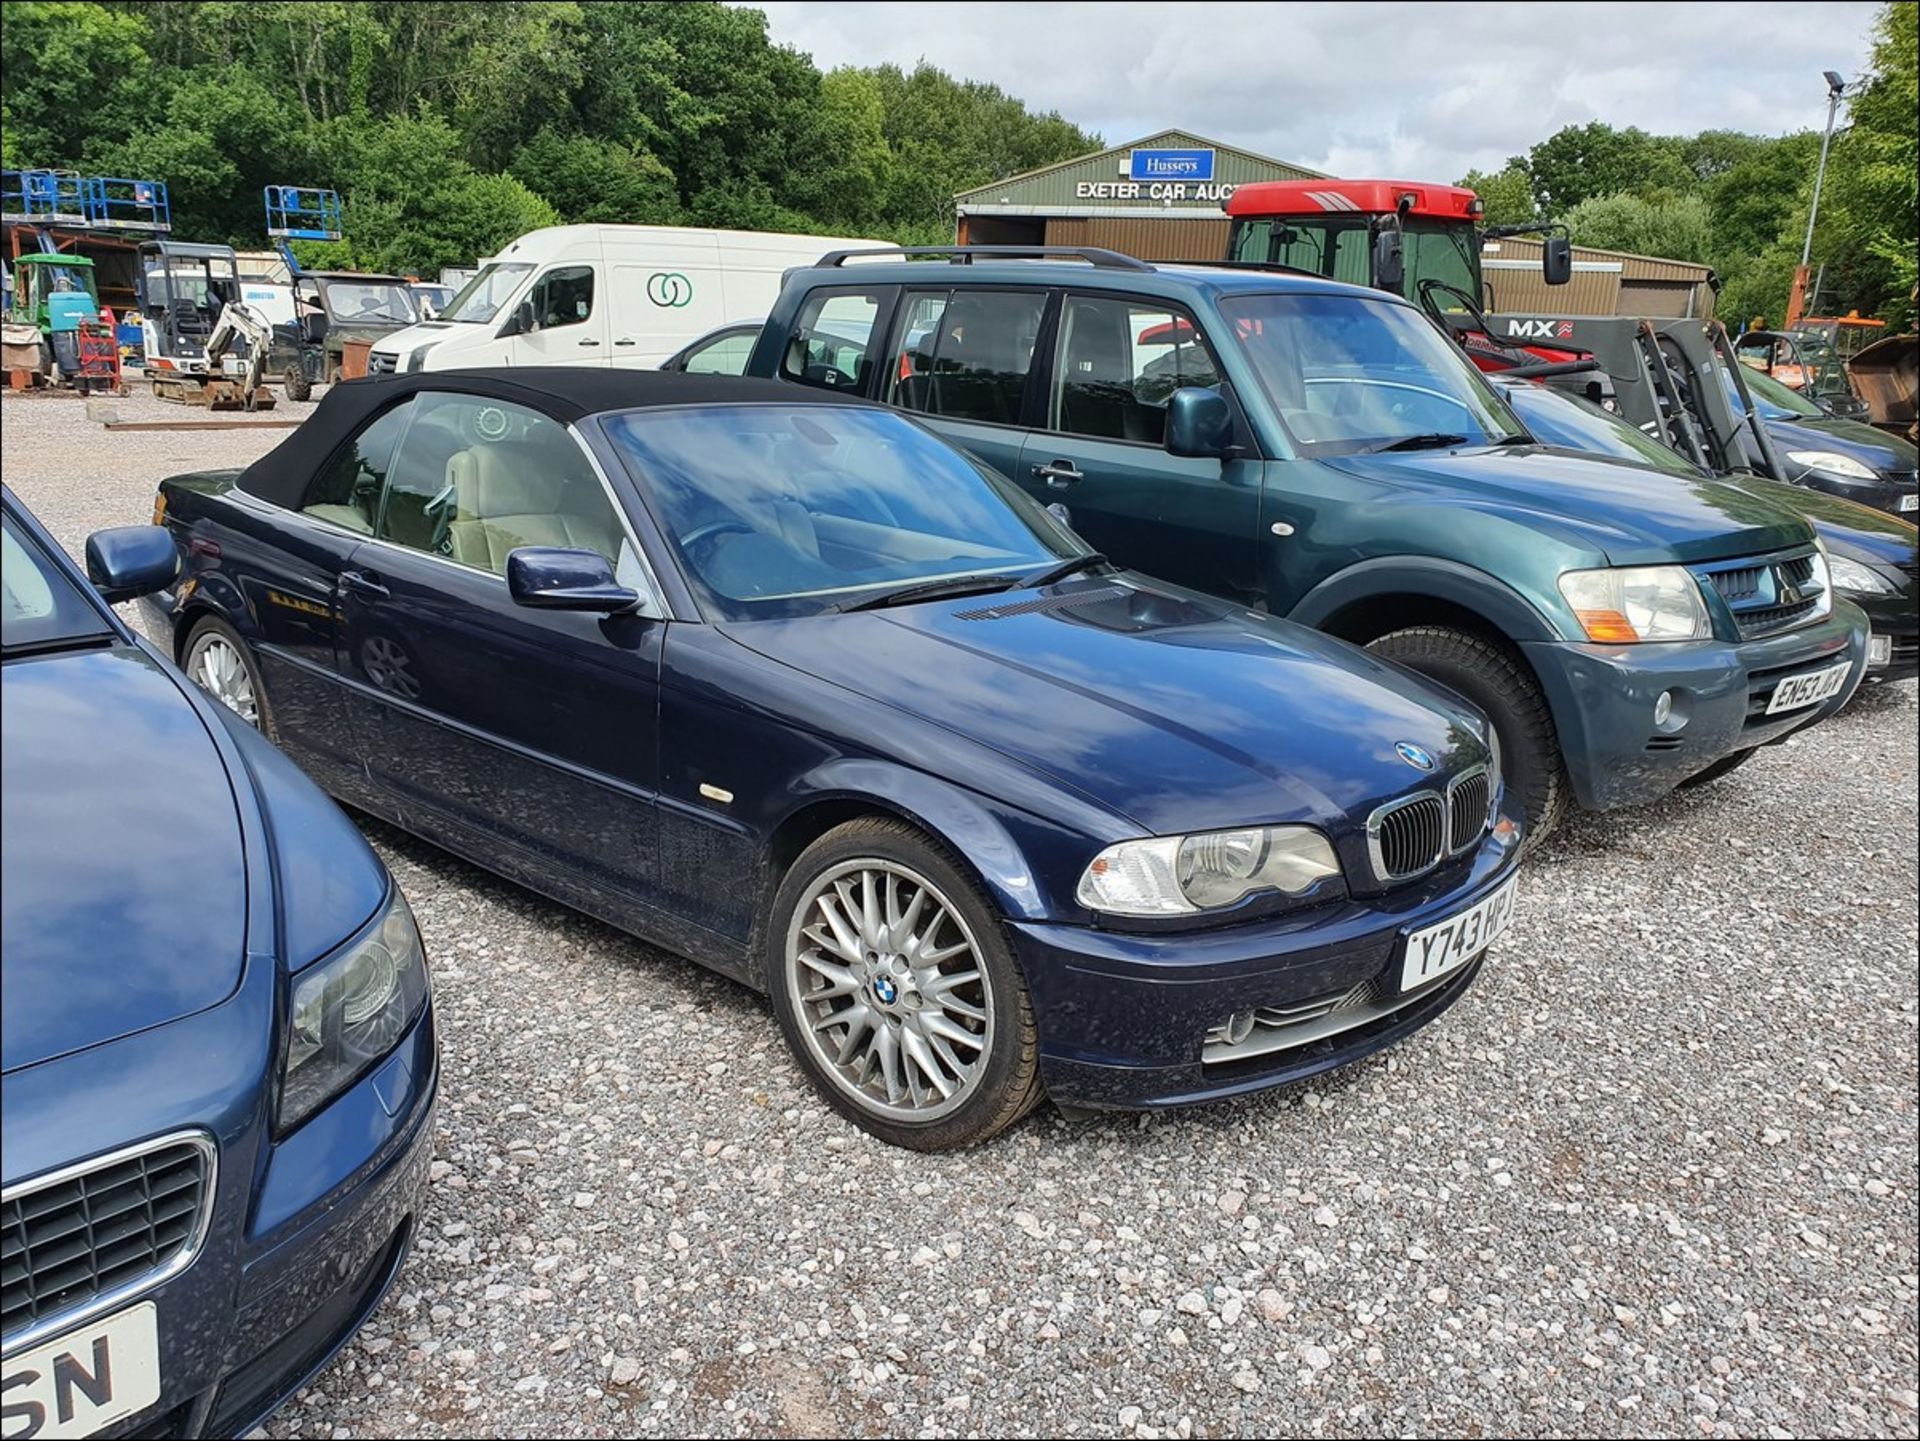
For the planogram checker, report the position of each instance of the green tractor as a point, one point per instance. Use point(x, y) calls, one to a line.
point(39, 277)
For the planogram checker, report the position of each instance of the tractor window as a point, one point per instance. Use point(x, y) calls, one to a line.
point(1337, 249)
point(1442, 254)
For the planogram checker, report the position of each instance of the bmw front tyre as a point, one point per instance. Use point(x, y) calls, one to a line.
point(893, 981)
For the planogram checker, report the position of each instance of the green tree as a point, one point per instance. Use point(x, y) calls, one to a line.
point(593, 181)
point(1867, 228)
point(1582, 162)
point(75, 75)
point(1675, 229)
point(1507, 193)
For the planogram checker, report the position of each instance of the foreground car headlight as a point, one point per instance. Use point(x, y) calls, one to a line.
point(1637, 602)
point(1833, 463)
point(347, 1013)
point(1179, 875)
point(1854, 576)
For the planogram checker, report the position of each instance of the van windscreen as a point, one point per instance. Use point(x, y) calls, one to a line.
point(480, 298)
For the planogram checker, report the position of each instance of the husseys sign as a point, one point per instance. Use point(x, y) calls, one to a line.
point(1160, 175)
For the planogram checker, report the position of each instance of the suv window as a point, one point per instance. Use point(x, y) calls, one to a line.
point(1117, 363)
point(562, 297)
point(475, 478)
point(965, 354)
point(831, 339)
point(347, 492)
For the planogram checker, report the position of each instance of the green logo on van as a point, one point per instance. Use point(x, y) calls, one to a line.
point(670, 289)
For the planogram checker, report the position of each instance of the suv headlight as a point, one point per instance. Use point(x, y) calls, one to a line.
point(1182, 875)
point(1833, 463)
point(1855, 576)
point(347, 1013)
point(1627, 604)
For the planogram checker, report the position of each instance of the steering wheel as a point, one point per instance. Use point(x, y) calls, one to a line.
point(702, 535)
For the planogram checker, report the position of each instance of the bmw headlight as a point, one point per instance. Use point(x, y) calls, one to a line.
point(1626, 604)
point(1833, 463)
point(1859, 578)
point(1183, 875)
point(348, 1013)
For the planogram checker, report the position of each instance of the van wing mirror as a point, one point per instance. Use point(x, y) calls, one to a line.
point(519, 322)
point(1556, 260)
point(1199, 423)
point(1389, 260)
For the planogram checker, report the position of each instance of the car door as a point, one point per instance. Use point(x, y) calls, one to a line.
point(566, 320)
point(286, 568)
point(529, 735)
point(960, 359)
point(1115, 361)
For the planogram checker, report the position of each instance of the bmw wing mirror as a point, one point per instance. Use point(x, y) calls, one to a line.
point(1556, 260)
point(543, 577)
point(131, 560)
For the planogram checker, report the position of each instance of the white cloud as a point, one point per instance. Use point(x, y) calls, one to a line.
point(1421, 91)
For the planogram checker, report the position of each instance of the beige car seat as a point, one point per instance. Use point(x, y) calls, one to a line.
point(505, 495)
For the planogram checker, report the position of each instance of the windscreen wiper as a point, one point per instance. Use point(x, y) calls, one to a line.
point(945, 586)
point(1073, 565)
point(1433, 440)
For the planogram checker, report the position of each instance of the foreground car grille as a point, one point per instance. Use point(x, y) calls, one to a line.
point(1410, 836)
point(1768, 595)
point(102, 1228)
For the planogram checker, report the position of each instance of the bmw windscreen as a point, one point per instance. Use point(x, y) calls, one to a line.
point(784, 511)
point(1353, 376)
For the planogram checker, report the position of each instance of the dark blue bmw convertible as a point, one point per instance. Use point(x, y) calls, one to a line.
point(218, 1047)
point(785, 684)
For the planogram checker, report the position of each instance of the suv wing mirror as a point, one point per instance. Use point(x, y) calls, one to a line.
point(1199, 423)
point(131, 560)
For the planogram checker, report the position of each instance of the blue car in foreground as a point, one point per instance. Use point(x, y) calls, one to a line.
point(784, 683)
point(219, 1065)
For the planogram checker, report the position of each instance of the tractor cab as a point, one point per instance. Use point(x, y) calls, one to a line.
point(1804, 360)
point(1418, 240)
point(183, 290)
point(53, 286)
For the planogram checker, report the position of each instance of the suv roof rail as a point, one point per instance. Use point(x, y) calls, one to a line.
point(965, 254)
point(1273, 265)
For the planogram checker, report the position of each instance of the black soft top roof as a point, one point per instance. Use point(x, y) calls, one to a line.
point(564, 392)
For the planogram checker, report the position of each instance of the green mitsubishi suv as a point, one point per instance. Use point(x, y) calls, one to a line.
point(1321, 452)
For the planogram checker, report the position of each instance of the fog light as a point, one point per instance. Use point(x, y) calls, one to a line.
point(1663, 708)
point(1239, 1027)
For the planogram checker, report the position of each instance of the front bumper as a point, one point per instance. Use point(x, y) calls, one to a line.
point(1895, 620)
point(1124, 1016)
point(1603, 697)
point(305, 1237)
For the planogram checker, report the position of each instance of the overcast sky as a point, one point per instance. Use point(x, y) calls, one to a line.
point(1416, 91)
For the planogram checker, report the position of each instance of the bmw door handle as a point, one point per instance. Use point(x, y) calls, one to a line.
point(1059, 474)
point(361, 584)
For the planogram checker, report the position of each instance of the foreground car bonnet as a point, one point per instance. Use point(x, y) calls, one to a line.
point(1179, 714)
point(122, 885)
point(1636, 516)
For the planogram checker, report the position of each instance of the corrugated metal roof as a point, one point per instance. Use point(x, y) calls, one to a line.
point(1633, 267)
point(1054, 184)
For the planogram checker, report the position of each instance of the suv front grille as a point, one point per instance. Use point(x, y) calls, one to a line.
point(1769, 595)
point(108, 1226)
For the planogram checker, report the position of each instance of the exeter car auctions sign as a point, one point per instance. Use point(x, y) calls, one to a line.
point(1171, 165)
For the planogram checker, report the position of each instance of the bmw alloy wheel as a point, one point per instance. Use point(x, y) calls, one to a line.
point(221, 671)
point(891, 993)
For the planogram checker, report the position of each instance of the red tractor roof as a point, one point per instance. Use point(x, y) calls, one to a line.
point(1367, 197)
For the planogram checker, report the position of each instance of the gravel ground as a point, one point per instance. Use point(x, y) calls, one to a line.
point(1656, 1175)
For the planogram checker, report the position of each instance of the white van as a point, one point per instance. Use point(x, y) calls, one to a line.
point(628, 295)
